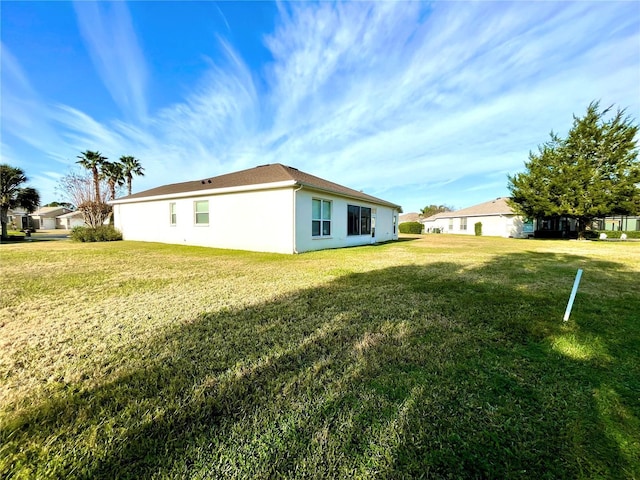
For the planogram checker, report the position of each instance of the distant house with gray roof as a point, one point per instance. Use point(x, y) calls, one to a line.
point(497, 217)
point(410, 217)
point(46, 218)
point(269, 208)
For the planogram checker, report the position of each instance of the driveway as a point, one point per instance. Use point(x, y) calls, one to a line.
point(51, 235)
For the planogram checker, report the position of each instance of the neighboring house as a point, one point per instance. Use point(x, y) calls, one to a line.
point(18, 218)
point(71, 219)
point(46, 218)
point(433, 224)
point(568, 227)
point(497, 217)
point(270, 208)
point(625, 223)
point(410, 217)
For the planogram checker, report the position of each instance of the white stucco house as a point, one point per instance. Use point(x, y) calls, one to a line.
point(269, 208)
point(71, 220)
point(497, 217)
point(46, 218)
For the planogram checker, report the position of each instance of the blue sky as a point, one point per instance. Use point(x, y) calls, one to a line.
point(414, 102)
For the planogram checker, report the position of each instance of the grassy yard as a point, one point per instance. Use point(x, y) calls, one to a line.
point(440, 356)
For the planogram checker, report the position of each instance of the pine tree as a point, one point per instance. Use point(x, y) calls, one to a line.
point(593, 172)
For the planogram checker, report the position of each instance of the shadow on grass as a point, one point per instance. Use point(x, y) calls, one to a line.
point(411, 371)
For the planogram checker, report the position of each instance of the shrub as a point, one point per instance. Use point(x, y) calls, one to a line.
point(103, 233)
point(617, 233)
point(411, 227)
point(478, 228)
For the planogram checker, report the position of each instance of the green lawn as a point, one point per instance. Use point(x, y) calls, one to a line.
point(439, 356)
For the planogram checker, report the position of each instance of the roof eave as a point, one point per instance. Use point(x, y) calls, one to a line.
point(207, 192)
point(247, 188)
point(373, 200)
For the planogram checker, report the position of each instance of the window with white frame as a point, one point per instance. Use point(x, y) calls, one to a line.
point(451, 224)
point(463, 223)
point(173, 216)
point(358, 220)
point(320, 218)
point(201, 211)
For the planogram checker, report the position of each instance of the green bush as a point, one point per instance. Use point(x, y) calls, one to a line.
point(478, 228)
point(617, 233)
point(411, 227)
point(104, 233)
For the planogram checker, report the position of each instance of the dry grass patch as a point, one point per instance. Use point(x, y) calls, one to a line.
point(439, 356)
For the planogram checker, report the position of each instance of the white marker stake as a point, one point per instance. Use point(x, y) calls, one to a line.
point(572, 297)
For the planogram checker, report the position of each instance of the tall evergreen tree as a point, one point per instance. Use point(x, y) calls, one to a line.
point(593, 172)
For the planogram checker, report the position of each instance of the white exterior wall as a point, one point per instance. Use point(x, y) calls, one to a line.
point(492, 225)
point(261, 220)
point(76, 222)
point(46, 223)
point(306, 242)
point(256, 220)
point(441, 223)
point(71, 222)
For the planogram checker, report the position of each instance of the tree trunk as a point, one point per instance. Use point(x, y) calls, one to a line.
point(582, 227)
point(3, 219)
point(96, 184)
point(94, 213)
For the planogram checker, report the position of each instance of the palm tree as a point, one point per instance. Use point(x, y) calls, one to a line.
point(131, 166)
point(433, 209)
point(113, 173)
point(12, 195)
point(92, 161)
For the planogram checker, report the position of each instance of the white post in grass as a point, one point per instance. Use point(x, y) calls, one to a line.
point(572, 297)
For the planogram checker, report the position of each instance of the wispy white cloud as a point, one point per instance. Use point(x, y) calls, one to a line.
point(398, 99)
point(24, 114)
point(423, 94)
point(112, 43)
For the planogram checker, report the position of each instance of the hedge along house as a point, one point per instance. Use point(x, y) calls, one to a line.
point(270, 208)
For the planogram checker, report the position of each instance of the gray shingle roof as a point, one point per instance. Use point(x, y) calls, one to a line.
point(438, 215)
point(50, 211)
point(410, 217)
point(263, 174)
point(75, 213)
point(498, 206)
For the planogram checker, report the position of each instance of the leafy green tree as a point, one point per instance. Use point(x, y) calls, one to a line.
point(12, 195)
point(593, 172)
point(113, 173)
point(92, 161)
point(433, 209)
point(131, 167)
point(60, 204)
